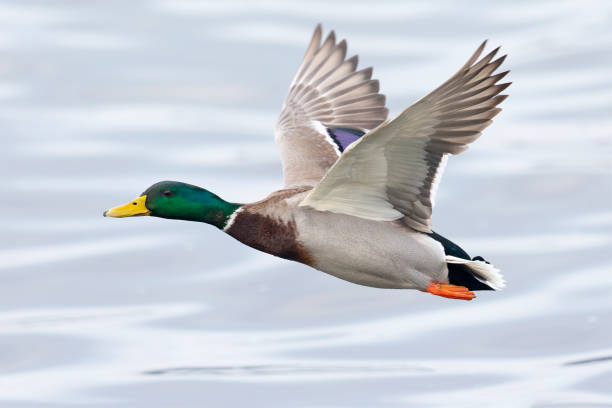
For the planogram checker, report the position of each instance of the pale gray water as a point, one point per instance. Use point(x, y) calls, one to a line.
point(101, 99)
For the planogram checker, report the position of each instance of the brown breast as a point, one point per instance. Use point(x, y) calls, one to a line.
point(268, 226)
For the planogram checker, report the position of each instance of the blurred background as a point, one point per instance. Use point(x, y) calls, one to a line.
point(99, 99)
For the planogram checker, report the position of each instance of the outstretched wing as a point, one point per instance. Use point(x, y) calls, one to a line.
point(329, 106)
point(393, 171)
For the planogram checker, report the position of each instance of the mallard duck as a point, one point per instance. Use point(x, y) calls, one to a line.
point(358, 189)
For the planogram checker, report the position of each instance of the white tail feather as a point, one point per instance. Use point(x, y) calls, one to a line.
point(487, 272)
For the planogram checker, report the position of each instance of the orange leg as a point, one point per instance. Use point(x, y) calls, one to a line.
point(450, 291)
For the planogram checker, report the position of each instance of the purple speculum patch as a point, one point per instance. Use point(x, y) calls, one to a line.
point(343, 137)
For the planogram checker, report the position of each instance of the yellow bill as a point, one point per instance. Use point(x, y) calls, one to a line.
point(131, 209)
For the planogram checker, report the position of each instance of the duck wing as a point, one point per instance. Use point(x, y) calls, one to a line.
point(393, 171)
point(330, 105)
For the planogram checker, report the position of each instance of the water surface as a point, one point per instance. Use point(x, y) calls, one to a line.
point(101, 99)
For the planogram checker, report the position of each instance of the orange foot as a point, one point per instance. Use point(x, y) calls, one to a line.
point(450, 291)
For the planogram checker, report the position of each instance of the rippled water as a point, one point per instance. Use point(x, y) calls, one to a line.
point(101, 99)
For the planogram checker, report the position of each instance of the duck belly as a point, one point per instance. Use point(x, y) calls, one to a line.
point(370, 253)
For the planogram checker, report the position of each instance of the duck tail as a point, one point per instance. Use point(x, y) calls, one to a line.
point(482, 270)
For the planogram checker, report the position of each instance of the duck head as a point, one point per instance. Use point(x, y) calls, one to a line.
point(180, 201)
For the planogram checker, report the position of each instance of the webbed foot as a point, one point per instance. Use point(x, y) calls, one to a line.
point(450, 291)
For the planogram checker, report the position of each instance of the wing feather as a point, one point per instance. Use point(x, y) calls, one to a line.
point(393, 171)
point(326, 90)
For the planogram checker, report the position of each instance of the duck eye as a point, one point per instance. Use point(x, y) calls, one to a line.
point(167, 193)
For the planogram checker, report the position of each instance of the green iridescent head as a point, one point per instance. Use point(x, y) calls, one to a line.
point(179, 201)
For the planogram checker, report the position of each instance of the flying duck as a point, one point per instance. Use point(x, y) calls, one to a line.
point(359, 189)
